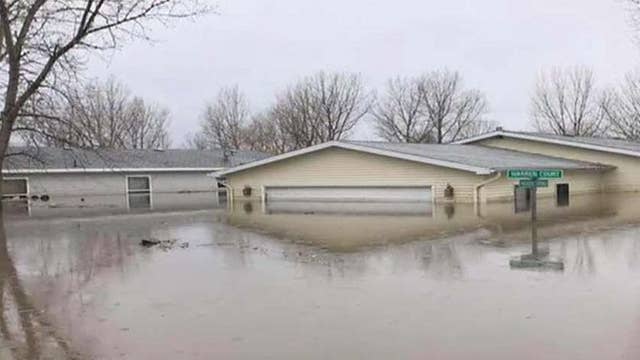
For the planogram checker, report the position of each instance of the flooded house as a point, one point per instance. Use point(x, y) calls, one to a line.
point(382, 172)
point(121, 179)
point(622, 156)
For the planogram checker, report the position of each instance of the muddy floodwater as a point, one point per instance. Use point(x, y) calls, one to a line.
point(322, 281)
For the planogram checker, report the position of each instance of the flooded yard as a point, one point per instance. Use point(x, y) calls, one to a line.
point(354, 282)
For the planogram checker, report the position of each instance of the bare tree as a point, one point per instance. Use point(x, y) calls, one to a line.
point(195, 141)
point(341, 101)
point(481, 126)
point(45, 42)
point(399, 115)
point(264, 134)
point(452, 111)
point(92, 116)
point(566, 102)
point(634, 12)
point(98, 115)
point(621, 107)
point(296, 116)
point(224, 121)
point(147, 128)
point(321, 107)
point(227, 124)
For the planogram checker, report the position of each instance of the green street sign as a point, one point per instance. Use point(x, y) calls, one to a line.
point(534, 174)
point(533, 183)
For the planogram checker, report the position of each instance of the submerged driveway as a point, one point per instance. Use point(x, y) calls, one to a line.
point(325, 286)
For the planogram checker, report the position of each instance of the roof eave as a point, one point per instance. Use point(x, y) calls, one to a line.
point(608, 149)
point(478, 137)
point(356, 147)
point(106, 170)
point(563, 168)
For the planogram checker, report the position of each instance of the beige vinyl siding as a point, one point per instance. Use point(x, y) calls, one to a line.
point(626, 176)
point(340, 167)
point(580, 182)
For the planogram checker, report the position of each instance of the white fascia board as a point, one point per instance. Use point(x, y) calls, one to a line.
point(106, 170)
point(478, 137)
point(275, 158)
point(549, 141)
point(356, 147)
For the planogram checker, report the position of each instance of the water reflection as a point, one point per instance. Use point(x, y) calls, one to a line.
point(139, 201)
point(49, 270)
point(441, 259)
point(584, 259)
point(25, 331)
point(349, 208)
point(347, 226)
point(17, 208)
point(99, 205)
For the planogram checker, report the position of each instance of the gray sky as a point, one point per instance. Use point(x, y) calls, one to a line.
point(262, 45)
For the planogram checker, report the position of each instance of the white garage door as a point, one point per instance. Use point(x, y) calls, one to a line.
point(349, 193)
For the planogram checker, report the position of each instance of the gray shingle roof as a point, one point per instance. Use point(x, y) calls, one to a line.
point(616, 146)
point(57, 158)
point(481, 156)
point(587, 140)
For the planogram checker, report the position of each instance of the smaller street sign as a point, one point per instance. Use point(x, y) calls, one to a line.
point(534, 183)
point(534, 174)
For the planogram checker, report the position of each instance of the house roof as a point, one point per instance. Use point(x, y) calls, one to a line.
point(52, 160)
point(473, 158)
point(617, 146)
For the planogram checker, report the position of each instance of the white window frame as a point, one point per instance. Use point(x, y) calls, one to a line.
point(128, 192)
point(138, 191)
point(26, 179)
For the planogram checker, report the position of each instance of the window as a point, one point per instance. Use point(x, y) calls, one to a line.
point(562, 194)
point(15, 188)
point(522, 199)
point(138, 184)
point(139, 192)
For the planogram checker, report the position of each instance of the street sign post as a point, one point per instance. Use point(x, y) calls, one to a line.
point(533, 179)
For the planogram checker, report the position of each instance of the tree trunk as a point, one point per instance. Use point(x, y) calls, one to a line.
point(5, 135)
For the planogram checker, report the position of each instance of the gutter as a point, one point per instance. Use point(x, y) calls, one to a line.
point(477, 187)
point(230, 196)
point(105, 170)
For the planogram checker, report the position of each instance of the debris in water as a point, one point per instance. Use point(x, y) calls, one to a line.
point(149, 243)
point(163, 244)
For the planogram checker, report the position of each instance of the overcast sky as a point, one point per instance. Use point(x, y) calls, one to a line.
point(262, 45)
